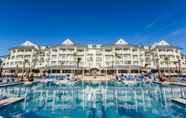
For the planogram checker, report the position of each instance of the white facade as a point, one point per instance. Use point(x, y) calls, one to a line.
point(96, 56)
point(164, 57)
point(120, 56)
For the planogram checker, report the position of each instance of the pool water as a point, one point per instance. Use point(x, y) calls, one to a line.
point(94, 100)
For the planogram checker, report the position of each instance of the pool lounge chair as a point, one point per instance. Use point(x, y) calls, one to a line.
point(3, 97)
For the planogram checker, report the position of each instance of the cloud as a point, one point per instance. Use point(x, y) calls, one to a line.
point(148, 26)
point(177, 38)
point(179, 32)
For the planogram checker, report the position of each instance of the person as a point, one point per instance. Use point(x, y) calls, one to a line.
point(1, 80)
point(7, 80)
point(117, 78)
point(31, 77)
point(22, 77)
point(12, 79)
point(162, 78)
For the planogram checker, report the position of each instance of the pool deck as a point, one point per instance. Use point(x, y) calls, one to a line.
point(178, 84)
point(96, 78)
point(10, 100)
point(10, 84)
point(30, 83)
point(179, 100)
point(170, 83)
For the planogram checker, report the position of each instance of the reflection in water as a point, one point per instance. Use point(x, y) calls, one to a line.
point(100, 101)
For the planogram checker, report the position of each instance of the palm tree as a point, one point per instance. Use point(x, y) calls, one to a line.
point(167, 61)
point(61, 66)
point(91, 60)
point(16, 71)
point(146, 67)
point(75, 62)
point(158, 68)
point(23, 69)
point(118, 57)
point(38, 58)
point(179, 64)
point(176, 68)
point(1, 67)
point(78, 62)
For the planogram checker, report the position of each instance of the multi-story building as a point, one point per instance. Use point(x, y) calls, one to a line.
point(183, 64)
point(1, 64)
point(24, 57)
point(164, 57)
point(69, 57)
point(120, 57)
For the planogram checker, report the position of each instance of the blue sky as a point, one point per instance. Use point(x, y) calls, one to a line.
point(49, 22)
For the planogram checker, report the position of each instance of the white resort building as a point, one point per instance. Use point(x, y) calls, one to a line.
point(165, 57)
point(69, 57)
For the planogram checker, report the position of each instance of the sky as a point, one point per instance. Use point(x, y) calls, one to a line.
point(49, 22)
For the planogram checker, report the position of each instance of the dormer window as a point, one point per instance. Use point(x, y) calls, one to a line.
point(68, 42)
point(121, 42)
point(28, 43)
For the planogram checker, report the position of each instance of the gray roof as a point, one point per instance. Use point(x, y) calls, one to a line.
point(23, 47)
point(94, 46)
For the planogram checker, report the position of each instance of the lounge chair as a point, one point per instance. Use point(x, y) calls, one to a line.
point(3, 97)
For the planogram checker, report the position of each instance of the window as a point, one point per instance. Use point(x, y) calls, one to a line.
point(54, 50)
point(20, 50)
point(126, 49)
point(127, 62)
point(27, 56)
point(19, 56)
point(80, 50)
point(126, 55)
point(28, 50)
point(134, 50)
point(135, 62)
point(53, 62)
point(54, 56)
point(135, 56)
point(108, 50)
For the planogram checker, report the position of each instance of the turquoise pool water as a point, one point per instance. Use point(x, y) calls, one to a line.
point(94, 100)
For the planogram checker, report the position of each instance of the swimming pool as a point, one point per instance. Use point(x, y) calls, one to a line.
point(94, 100)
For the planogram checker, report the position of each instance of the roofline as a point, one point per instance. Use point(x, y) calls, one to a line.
point(102, 45)
point(167, 46)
